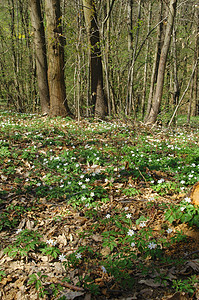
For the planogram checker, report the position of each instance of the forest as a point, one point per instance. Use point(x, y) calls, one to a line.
point(99, 150)
point(100, 58)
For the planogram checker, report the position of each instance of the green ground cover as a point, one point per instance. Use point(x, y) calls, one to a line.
point(97, 209)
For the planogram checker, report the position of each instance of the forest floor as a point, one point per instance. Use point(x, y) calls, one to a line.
point(97, 210)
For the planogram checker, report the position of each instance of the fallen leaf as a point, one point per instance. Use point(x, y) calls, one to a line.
point(5, 280)
point(4, 178)
point(97, 237)
point(151, 282)
point(72, 295)
point(178, 296)
point(105, 251)
point(193, 264)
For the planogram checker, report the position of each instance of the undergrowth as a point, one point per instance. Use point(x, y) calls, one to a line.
point(89, 166)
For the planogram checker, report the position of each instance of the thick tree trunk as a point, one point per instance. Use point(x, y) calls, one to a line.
point(40, 52)
point(155, 62)
point(162, 65)
point(58, 102)
point(96, 74)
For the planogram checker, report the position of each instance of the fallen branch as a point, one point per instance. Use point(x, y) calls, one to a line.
point(66, 284)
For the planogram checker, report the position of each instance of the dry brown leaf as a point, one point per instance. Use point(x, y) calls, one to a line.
point(62, 239)
point(4, 178)
point(146, 293)
point(151, 282)
point(97, 237)
point(30, 224)
point(193, 264)
point(5, 280)
point(20, 282)
point(178, 296)
point(105, 251)
point(87, 297)
point(72, 295)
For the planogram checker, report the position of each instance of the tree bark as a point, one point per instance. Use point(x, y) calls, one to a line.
point(195, 88)
point(146, 63)
point(130, 103)
point(96, 73)
point(162, 65)
point(58, 102)
point(40, 52)
point(130, 26)
point(155, 62)
point(185, 91)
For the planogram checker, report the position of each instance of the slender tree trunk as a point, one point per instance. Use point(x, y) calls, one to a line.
point(174, 84)
point(162, 65)
point(190, 103)
point(15, 55)
point(57, 91)
point(96, 74)
point(176, 92)
point(195, 88)
point(78, 49)
point(40, 52)
point(106, 60)
point(146, 63)
point(130, 101)
point(185, 91)
point(130, 26)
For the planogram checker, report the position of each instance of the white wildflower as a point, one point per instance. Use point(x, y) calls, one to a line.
point(51, 242)
point(143, 224)
point(62, 257)
point(161, 180)
point(78, 255)
point(128, 216)
point(103, 269)
point(152, 245)
point(187, 199)
point(130, 232)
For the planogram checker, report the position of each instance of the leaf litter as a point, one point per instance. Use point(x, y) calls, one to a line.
point(84, 187)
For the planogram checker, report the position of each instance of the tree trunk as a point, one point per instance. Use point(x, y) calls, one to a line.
point(195, 88)
point(58, 102)
point(130, 103)
point(162, 65)
point(96, 74)
point(146, 63)
point(190, 104)
point(183, 95)
point(155, 62)
point(130, 26)
point(15, 55)
point(40, 52)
